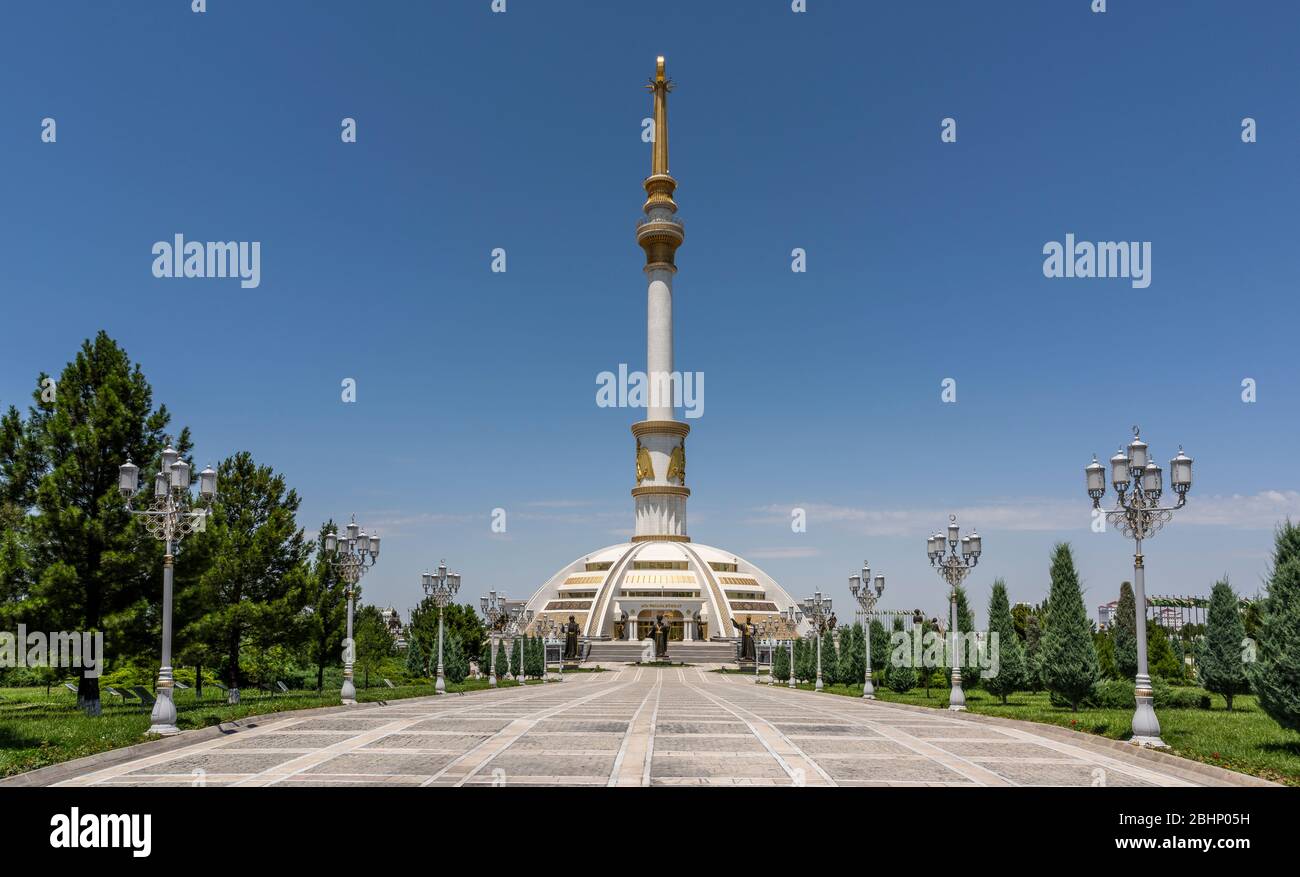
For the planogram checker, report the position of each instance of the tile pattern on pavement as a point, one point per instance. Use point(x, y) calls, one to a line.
point(635, 727)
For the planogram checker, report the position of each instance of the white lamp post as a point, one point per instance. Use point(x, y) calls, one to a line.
point(792, 617)
point(171, 516)
point(352, 555)
point(953, 569)
point(441, 586)
point(817, 608)
point(1139, 515)
point(494, 611)
point(860, 585)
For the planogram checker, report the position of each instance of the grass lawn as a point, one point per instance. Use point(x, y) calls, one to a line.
point(36, 730)
point(1244, 740)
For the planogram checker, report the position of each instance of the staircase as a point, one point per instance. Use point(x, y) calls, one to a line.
point(623, 652)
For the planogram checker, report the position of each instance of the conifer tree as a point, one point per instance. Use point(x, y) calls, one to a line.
point(1033, 653)
point(970, 673)
point(1011, 657)
point(781, 664)
point(1163, 662)
point(901, 676)
point(415, 664)
point(1123, 632)
point(1221, 668)
point(503, 660)
point(830, 659)
point(1069, 660)
point(1275, 672)
point(880, 645)
point(85, 564)
point(455, 666)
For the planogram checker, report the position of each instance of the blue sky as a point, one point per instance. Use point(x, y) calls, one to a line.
point(820, 130)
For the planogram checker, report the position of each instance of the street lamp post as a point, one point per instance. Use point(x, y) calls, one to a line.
point(769, 627)
point(793, 617)
point(1139, 515)
point(352, 555)
point(817, 608)
point(441, 586)
point(545, 628)
point(860, 584)
point(171, 516)
point(494, 612)
point(953, 569)
point(519, 620)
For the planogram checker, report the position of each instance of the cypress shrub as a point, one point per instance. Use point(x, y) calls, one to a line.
point(1069, 660)
point(1222, 671)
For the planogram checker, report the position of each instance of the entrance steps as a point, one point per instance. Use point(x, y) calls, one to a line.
point(623, 652)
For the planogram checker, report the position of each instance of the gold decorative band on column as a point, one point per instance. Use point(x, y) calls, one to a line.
point(1138, 562)
point(168, 560)
point(1143, 692)
point(663, 489)
point(660, 266)
point(666, 537)
point(163, 683)
point(660, 427)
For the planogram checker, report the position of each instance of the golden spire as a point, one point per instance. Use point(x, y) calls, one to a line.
point(660, 86)
point(661, 232)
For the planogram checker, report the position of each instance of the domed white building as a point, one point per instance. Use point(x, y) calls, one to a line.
point(619, 591)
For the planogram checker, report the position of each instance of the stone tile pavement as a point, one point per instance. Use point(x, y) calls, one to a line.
point(643, 726)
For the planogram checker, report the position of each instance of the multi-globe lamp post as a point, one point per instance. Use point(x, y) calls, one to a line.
point(493, 607)
point(816, 608)
point(1138, 515)
point(351, 555)
point(545, 628)
point(953, 569)
point(792, 618)
point(441, 586)
point(861, 586)
point(170, 516)
point(768, 628)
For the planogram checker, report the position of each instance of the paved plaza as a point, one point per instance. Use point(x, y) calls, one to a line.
point(637, 727)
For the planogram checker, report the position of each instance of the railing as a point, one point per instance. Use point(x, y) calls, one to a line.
point(671, 220)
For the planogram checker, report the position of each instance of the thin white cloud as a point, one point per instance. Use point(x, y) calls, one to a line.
point(1260, 511)
point(782, 553)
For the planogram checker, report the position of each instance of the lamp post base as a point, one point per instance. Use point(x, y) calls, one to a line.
point(163, 717)
point(440, 686)
point(1146, 727)
point(492, 681)
point(957, 697)
point(868, 691)
point(348, 694)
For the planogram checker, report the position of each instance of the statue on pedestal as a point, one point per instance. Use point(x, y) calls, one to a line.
point(746, 639)
point(571, 640)
point(620, 627)
point(661, 637)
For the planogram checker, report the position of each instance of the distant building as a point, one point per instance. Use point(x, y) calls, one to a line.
point(393, 621)
point(1106, 614)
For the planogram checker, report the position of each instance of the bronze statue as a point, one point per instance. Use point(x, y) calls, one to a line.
point(746, 639)
point(701, 628)
point(571, 640)
point(620, 627)
point(661, 637)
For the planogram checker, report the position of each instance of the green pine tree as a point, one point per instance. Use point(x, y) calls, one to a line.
point(1033, 653)
point(901, 676)
point(455, 666)
point(1123, 632)
point(248, 569)
point(830, 659)
point(852, 665)
point(415, 660)
point(879, 645)
point(1221, 668)
point(1275, 672)
point(1069, 660)
point(79, 560)
point(503, 660)
point(1161, 659)
point(374, 643)
point(781, 664)
point(1105, 646)
point(1011, 657)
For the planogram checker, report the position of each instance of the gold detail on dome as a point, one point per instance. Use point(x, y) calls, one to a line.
point(665, 537)
point(677, 464)
point(645, 470)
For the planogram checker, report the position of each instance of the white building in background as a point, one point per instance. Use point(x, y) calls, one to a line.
point(393, 621)
point(699, 590)
point(1106, 614)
